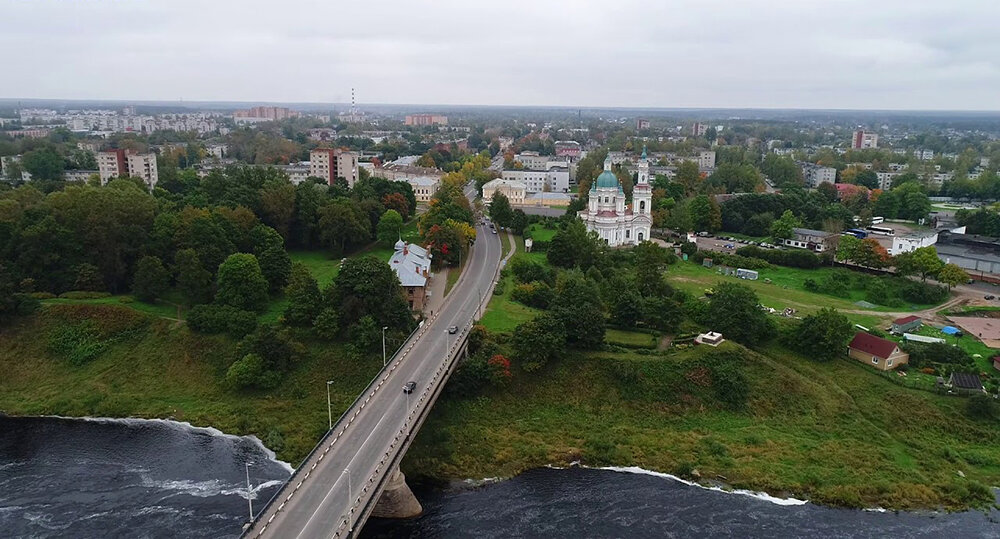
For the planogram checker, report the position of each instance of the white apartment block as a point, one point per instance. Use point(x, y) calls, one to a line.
point(706, 160)
point(120, 163)
point(885, 179)
point(555, 180)
point(813, 174)
point(143, 165)
point(533, 161)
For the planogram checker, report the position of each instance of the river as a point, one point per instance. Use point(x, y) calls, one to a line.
point(138, 478)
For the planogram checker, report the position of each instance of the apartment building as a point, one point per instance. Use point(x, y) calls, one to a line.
point(333, 163)
point(862, 140)
point(426, 119)
point(553, 180)
point(813, 174)
point(120, 163)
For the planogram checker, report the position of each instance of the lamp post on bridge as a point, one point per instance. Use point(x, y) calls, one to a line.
point(249, 491)
point(329, 408)
point(384, 361)
point(350, 499)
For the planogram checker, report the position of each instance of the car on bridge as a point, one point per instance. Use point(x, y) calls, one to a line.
point(453, 330)
point(408, 387)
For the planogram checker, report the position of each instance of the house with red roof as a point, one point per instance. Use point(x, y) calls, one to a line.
point(906, 324)
point(880, 353)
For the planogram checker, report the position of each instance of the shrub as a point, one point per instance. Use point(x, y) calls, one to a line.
point(792, 258)
point(42, 295)
point(83, 294)
point(78, 343)
point(980, 407)
point(534, 294)
point(221, 319)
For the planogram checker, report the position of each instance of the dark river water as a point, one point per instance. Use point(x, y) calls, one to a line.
point(136, 478)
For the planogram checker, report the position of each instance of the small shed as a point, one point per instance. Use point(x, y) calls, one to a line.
point(921, 338)
point(747, 274)
point(965, 383)
point(711, 338)
point(907, 324)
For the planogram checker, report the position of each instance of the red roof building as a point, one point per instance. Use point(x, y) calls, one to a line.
point(882, 354)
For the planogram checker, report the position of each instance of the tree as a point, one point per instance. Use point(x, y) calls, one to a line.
point(952, 274)
point(926, 262)
point(689, 177)
point(734, 311)
point(500, 210)
point(705, 213)
point(151, 279)
point(867, 178)
point(277, 206)
point(397, 202)
point(241, 284)
point(194, 282)
point(367, 286)
point(276, 266)
point(572, 246)
point(341, 226)
point(650, 260)
point(871, 254)
point(43, 164)
point(304, 298)
point(578, 305)
point(781, 229)
point(390, 227)
point(538, 341)
point(824, 334)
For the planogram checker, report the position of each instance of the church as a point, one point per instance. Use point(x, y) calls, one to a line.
point(607, 214)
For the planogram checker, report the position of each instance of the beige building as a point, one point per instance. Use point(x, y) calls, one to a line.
point(880, 353)
point(426, 119)
point(512, 189)
point(424, 187)
point(332, 163)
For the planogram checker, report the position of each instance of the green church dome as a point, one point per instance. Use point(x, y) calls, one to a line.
point(607, 179)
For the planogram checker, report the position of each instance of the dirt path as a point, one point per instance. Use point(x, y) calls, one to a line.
point(665, 342)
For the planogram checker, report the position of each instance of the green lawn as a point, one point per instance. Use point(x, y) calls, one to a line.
point(785, 289)
point(968, 343)
point(830, 432)
point(504, 243)
point(538, 232)
point(630, 338)
point(322, 266)
point(504, 314)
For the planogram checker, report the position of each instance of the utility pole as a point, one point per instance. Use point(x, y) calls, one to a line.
point(384, 360)
point(249, 491)
point(329, 408)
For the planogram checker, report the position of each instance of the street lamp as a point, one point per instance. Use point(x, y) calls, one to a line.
point(384, 361)
point(350, 499)
point(249, 491)
point(329, 408)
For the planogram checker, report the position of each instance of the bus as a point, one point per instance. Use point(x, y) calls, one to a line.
point(856, 232)
point(882, 230)
point(878, 220)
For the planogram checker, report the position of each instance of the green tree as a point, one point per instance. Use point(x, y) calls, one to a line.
point(500, 210)
point(824, 334)
point(304, 298)
point(926, 262)
point(572, 246)
point(367, 286)
point(952, 275)
point(276, 266)
point(341, 226)
point(734, 310)
point(689, 177)
point(241, 284)
point(867, 178)
point(152, 280)
point(194, 282)
point(538, 341)
point(705, 213)
point(578, 305)
point(390, 228)
point(781, 229)
point(43, 164)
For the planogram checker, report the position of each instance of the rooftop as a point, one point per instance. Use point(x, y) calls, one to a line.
point(906, 319)
point(870, 344)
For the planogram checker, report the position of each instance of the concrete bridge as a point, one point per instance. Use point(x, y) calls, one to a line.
point(353, 473)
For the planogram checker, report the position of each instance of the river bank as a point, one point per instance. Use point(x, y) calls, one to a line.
point(831, 433)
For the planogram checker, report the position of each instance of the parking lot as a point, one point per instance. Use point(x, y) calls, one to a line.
point(724, 244)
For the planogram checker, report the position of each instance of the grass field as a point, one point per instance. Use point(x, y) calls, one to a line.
point(540, 233)
point(629, 338)
point(968, 343)
point(504, 243)
point(785, 289)
point(170, 372)
point(830, 432)
point(504, 314)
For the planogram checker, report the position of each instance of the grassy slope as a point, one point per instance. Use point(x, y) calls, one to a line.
point(540, 233)
point(171, 372)
point(830, 432)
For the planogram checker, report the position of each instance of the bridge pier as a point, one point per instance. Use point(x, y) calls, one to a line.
point(397, 500)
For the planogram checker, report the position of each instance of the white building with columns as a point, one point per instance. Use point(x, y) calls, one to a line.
point(609, 216)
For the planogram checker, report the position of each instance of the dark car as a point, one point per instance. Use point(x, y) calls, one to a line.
point(453, 330)
point(408, 387)
point(989, 296)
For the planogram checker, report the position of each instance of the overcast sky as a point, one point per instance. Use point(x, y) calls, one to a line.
point(882, 54)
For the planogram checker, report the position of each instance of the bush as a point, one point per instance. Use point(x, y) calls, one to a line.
point(917, 292)
point(980, 407)
point(42, 295)
point(78, 343)
point(83, 294)
point(221, 319)
point(535, 294)
point(792, 258)
point(728, 379)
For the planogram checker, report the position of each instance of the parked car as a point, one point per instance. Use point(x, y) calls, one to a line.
point(989, 296)
point(408, 387)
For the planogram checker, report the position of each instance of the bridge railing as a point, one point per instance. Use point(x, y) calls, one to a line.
point(369, 390)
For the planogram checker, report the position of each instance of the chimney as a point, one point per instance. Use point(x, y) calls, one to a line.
point(406, 248)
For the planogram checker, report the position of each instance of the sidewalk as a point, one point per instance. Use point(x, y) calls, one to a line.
point(435, 293)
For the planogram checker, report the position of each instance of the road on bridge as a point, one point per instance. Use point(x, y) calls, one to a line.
point(319, 506)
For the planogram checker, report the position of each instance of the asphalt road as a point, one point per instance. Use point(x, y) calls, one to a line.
point(320, 504)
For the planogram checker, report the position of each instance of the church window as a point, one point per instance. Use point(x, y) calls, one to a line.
point(627, 232)
point(605, 200)
point(642, 206)
point(640, 236)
